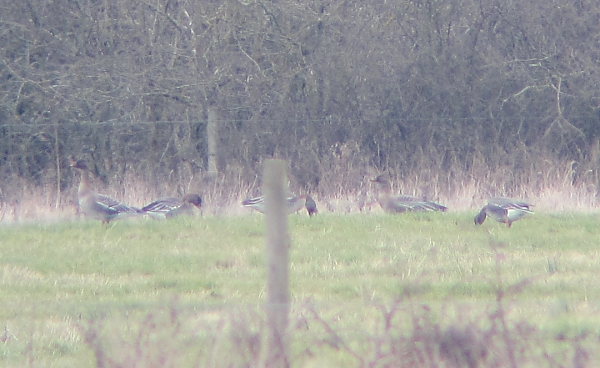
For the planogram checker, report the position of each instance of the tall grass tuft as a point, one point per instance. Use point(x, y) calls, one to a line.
point(553, 186)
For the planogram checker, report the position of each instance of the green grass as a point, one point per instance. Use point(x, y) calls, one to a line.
point(189, 292)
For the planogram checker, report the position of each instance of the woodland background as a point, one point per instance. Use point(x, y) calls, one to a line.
point(455, 98)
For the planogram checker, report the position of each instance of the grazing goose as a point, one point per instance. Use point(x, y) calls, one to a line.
point(403, 203)
point(96, 205)
point(294, 204)
point(504, 210)
point(171, 207)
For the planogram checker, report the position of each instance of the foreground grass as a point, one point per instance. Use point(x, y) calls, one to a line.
point(188, 292)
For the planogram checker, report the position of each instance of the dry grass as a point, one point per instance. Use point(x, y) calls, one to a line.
point(551, 186)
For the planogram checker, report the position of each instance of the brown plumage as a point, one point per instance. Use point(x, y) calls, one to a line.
point(98, 206)
point(294, 204)
point(505, 210)
point(171, 207)
point(401, 204)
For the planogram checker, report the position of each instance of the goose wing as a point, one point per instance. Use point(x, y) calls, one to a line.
point(164, 205)
point(256, 201)
point(112, 205)
point(409, 203)
point(511, 204)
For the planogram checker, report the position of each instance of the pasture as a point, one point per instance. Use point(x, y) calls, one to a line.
point(414, 290)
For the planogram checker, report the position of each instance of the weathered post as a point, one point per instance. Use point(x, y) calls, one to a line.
point(57, 162)
point(212, 137)
point(278, 244)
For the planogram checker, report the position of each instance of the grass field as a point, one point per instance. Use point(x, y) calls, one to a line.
point(417, 290)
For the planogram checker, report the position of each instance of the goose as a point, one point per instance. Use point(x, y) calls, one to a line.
point(505, 210)
point(404, 203)
point(294, 204)
point(98, 206)
point(171, 207)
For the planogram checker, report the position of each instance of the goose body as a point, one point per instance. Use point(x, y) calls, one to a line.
point(294, 204)
point(404, 203)
point(98, 206)
point(504, 210)
point(171, 207)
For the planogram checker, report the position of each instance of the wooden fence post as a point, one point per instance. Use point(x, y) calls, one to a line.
point(212, 133)
point(57, 162)
point(278, 244)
